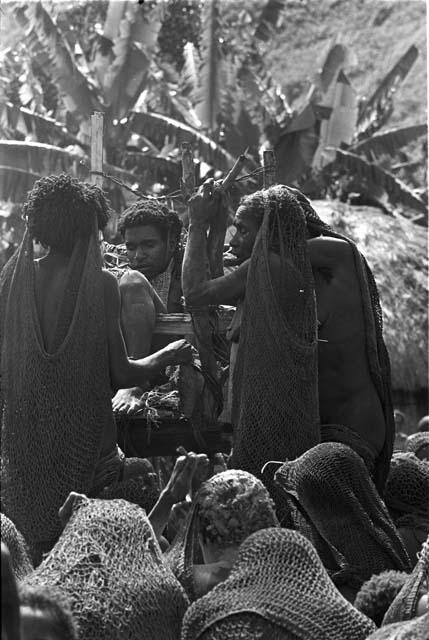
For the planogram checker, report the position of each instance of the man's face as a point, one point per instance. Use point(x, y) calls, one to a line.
point(148, 250)
point(246, 230)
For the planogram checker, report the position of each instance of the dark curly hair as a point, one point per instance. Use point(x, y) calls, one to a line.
point(60, 209)
point(285, 197)
point(377, 594)
point(145, 212)
point(50, 601)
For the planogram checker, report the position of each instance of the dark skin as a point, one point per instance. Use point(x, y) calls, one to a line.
point(347, 395)
point(124, 373)
point(149, 253)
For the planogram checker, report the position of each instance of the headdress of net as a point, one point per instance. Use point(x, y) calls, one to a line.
point(19, 554)
point(275, 396)
point(108, 564)
point(404, 606)
point(417, 441)
point(407, 486)
point(345, 517)
point(279, 577)
point(377, 355)
point(415, 629)
point(61, 399)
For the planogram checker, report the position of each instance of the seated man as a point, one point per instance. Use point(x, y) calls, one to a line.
point(353, 367)
point(149, 280)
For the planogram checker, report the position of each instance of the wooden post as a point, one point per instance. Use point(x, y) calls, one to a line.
point(97, 122)
point(188, 171)
point(270, 169)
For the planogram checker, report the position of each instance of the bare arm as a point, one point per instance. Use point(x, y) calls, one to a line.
point(124, 372)
point(198, 288)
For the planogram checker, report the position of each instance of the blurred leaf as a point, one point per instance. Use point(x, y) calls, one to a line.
point(374, 178)
point(372, 115)
point(157, 127)
point(268, 19)
point(389, 141)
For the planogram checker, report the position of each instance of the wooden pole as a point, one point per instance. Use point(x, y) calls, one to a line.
point(188, 171)
point(97, 122)
point(270, 169)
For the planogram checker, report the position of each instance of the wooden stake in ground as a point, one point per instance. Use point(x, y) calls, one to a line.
point(97, 123)
point(270, 168)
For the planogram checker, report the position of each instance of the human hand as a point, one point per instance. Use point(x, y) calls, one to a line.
point(208, 204)
point(179, 483)
point(72, 500)
point(179, 352)
point(128, 401)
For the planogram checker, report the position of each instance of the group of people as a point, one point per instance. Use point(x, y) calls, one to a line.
point(312, 527)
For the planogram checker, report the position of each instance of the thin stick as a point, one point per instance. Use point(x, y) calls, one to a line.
point(97, 121)
point(233, 174)
point(270, 169)
point(188, 171)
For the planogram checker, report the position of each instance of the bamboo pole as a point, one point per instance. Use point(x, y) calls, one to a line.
point(270, 168)
point(97, 122)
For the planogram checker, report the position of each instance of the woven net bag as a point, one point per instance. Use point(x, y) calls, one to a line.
point(404, 606)
point(347, 520)
point(407, 486)
point(109, 566)
point(278, 576)
point(19, 554)
point(416, 629)
point(56, 405)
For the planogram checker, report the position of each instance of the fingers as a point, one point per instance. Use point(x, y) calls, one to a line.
point(72, 500)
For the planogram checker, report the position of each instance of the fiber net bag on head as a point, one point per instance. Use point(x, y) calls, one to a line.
point(279, 577)
point(377, 355)
point(404, 606)
point(416, 629)
point(275, 408)
point(108, 564)
point(407, 487)
point(347, 520)
point(19, 554)
point(418, 443)
point(56, 404)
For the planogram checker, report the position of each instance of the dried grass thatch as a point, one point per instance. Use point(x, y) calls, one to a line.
point(397, 252)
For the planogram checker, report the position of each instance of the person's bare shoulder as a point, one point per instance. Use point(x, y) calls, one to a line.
point(329, 252)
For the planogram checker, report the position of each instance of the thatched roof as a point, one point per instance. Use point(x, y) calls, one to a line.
point(397, 252)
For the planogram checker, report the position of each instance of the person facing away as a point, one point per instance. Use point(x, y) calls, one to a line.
point(353, 385)
point(63, 353)
point(149, 281)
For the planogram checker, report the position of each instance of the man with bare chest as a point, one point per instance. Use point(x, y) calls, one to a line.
point(353, 407)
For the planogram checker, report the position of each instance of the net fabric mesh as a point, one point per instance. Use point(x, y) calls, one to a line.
point(348, 520)
point(417, 443)
point(378, 357)
point(246, 626)
point(109, 566)
point(416, 629)
point(276, 418)
point(19, 555)
point(407, 486)
point(60, 406)
point(404, 606)
point(279, 577)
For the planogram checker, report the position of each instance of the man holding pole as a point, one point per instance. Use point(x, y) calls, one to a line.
point(310, 359)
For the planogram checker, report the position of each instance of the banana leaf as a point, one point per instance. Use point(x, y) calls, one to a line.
point(375, 178)
point(373, 114)
point(50, 50)
point(389, 141)
point(157, 128)
point(22, 163)
point(21, 121)
point(189, 74)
